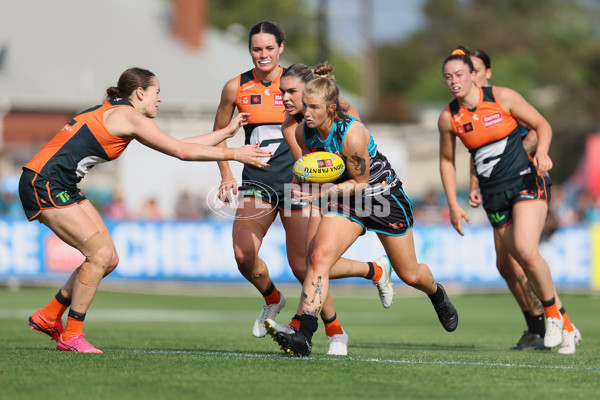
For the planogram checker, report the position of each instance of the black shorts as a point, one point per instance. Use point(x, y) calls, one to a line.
point(389, 212)
point(39, 194)
point(498, 206)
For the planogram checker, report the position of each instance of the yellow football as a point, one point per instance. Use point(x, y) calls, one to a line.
point(319, 167)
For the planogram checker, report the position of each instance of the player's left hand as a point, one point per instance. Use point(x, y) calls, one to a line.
point(542, 162)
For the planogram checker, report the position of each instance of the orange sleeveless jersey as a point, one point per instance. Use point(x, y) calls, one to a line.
point(492, 136)
point(487, 123)
point(81, 144)
point(264, 102)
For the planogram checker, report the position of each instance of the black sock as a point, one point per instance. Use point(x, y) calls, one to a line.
point(76, 315)
point(308, 326)
point(328, 321)
point(371, 273)
point(437, 297)
point(537, 325)
point(528, 320)
point(269, 290)
point(549, 303)
point(62, 299)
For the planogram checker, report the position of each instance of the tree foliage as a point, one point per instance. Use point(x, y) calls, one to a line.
point(549, 51)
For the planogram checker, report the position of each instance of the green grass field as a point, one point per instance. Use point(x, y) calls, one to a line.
point(191, 343)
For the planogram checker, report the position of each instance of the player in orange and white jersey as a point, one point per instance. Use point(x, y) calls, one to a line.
point(513, 190)
point(49, 193)
point(509, 268)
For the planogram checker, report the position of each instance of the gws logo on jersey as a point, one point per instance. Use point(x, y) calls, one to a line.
point(277, 100)
point(465, 128)
point(492, 119)
point(253, 99)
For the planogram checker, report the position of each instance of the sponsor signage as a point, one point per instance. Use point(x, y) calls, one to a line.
point(203, 251)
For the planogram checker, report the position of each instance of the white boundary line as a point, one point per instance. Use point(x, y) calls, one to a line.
point(365, 360)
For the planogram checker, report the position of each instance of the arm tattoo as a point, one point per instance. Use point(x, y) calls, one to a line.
point(361, 164)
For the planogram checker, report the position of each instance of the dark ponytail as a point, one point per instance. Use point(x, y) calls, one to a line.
point(129, 81)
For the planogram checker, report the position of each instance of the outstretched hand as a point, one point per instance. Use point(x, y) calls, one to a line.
point(240, 120)
point(251, 154)
point(457, 214)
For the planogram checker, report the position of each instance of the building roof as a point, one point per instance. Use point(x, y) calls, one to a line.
point(64, 54)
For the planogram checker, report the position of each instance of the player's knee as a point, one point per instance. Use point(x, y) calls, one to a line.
point(99, 253)
point(528, 254)
point(244, 258)
point(320, 261)
point(103, 258)
point(114, 261)
point(96, 265)
point(410, 276)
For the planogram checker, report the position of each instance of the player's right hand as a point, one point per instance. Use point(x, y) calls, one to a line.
point(228, 189)
point(474, 198)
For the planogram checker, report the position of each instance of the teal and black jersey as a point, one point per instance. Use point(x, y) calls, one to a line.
point(382, 206)
point(381, 173)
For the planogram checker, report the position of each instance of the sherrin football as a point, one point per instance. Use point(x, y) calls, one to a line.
point(319, 167)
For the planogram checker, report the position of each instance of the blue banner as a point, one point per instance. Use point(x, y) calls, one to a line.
point(197, 251)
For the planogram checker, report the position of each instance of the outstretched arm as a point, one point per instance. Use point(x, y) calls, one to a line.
point(216, 137)
point(126, 122)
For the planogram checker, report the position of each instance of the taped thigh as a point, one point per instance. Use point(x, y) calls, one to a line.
point(107, 238)
point(250, 225)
